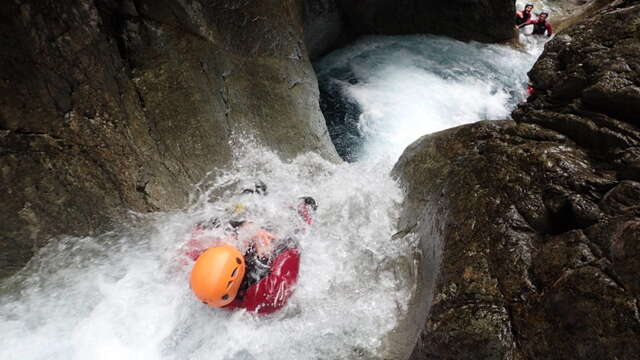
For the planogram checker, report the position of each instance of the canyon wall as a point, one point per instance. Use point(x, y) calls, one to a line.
point(110, 106)
point(533, 225)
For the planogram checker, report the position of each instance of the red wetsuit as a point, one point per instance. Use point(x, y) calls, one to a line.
point(539, 26)
point(272, 291)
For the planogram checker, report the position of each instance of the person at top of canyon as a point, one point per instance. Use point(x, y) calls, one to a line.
point(540, 25)
point(524, 15)
point(251, 268)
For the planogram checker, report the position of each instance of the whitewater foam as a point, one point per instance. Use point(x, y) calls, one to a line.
point(407, 86)
point(125, 294)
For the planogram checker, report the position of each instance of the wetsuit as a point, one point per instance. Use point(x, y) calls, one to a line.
point(539, 27)
point(268, 283)
point(522, 17)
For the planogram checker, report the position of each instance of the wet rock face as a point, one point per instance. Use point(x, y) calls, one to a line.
point(480, 20)
point(590, 76)
point(108, 106)
point(329, 24)
point(535, 223)
point(323, 27)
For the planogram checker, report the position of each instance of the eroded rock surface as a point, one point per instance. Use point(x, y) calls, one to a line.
point(535, 223)
point(480, 20)
point(107, 106)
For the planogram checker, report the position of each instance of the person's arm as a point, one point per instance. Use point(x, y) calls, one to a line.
point(263, 241)
point(528, 22)
point(549, 29)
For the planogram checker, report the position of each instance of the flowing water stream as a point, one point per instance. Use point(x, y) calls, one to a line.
point(383, 93)
point(125, 294)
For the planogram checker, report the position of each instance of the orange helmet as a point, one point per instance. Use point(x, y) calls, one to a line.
point(217, 274)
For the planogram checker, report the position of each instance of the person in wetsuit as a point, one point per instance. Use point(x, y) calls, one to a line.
point(540, 25)
point(259, 279)
point(524, 15)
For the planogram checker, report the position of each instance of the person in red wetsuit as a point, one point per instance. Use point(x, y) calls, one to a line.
point(540, 25)
point(259, 279)
point(524, 15)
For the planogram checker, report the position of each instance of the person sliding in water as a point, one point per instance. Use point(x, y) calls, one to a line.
point(260, 277)
point(524, 15)
point(540, 25)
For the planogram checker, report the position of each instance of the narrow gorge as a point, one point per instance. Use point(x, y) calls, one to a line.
point(459, 216)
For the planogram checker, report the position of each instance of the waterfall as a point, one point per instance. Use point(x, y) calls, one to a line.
point(125, 294)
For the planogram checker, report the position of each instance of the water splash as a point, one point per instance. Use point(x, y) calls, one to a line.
point(125, 294)
point(385, 92)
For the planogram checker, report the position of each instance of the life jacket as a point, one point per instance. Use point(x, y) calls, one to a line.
point(522, 17)
point(539, 27)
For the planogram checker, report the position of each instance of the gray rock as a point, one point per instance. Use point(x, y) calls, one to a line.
point(536, 222)
point(480, 20)
point(323, 27)
point(108, 106)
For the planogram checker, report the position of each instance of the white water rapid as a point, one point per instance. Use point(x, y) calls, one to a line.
point(407, 86)
point(125, 294)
